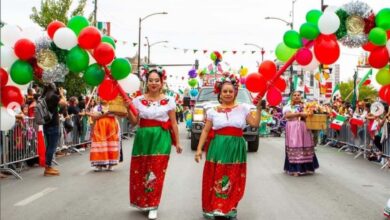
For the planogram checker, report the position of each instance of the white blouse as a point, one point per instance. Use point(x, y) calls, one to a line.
point(156, 110)
point(236, 117)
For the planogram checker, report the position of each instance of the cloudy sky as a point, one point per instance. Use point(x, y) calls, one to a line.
point(199, 24)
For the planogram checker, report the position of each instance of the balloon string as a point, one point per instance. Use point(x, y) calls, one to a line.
point(122, 92)
point(270, 83)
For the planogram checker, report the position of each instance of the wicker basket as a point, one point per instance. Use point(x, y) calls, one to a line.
point(117, 105)
point(316, 122)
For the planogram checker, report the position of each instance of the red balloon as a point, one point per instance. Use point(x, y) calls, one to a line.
point(326, 49)
point(274, 96)
point(104, 54)
point(255, 83)
point(267, 69)
point(3, 77)
point(108, 89)
point(38, 71)
point(304, 56)
point(280, 84)
point(388, 34)
point(11, 94)
point(384, 93)
point(89, 38)
point(53, 27)
point(369, 46)
point(24, 49)
point(379, 57)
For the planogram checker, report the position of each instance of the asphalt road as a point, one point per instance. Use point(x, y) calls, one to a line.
point(343, 188)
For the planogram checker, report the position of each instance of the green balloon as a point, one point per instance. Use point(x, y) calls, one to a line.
point(283, 52)
point(120, 68)
point(78, 23)
point(94, 75)
point(213, 57)
point(77, 60)
point(109, 40)
point(192, 82)
point(313, 16)
point(309, 31)
point(292, 39)
point(21, 72)
point(378, 36)
point(383, 76)
point(382, 19)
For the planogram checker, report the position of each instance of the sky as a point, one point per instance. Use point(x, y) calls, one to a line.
point(199, 24)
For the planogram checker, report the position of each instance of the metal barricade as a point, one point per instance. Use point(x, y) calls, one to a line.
point(386, 147)
point(18, 145)
point(80, 133)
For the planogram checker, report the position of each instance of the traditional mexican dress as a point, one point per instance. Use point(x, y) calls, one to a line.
point(151, 149)
point(105, 141)
point(300, 156)
point(224, 173)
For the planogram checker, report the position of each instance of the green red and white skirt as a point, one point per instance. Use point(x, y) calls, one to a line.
point(149, 162)
point(224, 176)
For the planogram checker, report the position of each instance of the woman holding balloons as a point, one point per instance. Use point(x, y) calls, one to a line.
point(224, 173)
point(157, 131)
point(300, 157)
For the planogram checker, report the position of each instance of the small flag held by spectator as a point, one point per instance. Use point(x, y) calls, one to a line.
point(338, 122)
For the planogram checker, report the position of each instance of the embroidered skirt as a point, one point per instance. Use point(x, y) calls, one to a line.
point(224, 176)
point(149, 162)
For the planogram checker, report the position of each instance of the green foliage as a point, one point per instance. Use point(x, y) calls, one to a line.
point(365, 92)
point(75, 85)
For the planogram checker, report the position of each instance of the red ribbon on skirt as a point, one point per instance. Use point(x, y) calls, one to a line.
point(167, 125)
point(228, 131)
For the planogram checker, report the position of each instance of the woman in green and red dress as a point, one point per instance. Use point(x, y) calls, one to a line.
point(224, 173)
point(156, 134)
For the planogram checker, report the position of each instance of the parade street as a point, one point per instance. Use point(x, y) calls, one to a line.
point(342, 188)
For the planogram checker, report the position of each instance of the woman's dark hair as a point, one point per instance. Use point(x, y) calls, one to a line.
point(159, 73)
point(49, 87)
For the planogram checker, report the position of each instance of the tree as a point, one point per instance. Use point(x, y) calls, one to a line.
point(56, 10)
point(365, 92)
point(60, 10)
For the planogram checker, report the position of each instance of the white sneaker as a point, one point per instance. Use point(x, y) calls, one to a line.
point(152, 214)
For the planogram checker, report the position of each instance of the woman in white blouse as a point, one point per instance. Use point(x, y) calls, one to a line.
point(152, 144)
point(224, 172)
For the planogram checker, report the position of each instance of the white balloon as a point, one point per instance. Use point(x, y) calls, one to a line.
point(331, 8)
point(313, 65)
point(32, 33)
point(329, 22)
point(130, 84)
point(10, 34)
point(388, 45)
point(8, 57)
point(65, 38)
point(7, 120)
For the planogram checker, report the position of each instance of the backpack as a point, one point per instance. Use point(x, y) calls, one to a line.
point(42, 113)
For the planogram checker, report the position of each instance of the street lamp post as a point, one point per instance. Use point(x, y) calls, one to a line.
point(151, 45)
point(260, 48)
point(291, 24)
point(139, 35)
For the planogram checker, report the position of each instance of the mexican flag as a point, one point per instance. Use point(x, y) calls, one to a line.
point(356, 120)
point(336, 92)
point(338, 122)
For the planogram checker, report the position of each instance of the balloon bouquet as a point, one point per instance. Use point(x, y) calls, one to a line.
point(354, 25)
point(76, 47)
point(193, 82)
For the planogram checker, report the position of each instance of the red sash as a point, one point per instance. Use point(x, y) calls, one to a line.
point(167, 125)
point(228, 131)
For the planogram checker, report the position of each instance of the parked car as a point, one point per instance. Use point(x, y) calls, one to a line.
point(207, 99)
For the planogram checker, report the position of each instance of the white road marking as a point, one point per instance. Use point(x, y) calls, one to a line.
point(84, 172)
point(36, 196)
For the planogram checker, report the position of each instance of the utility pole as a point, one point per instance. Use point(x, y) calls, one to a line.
point(95, 13)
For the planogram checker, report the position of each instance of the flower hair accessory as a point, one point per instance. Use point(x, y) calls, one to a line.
point(147, 70)
point(226, 78)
